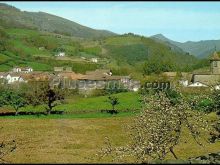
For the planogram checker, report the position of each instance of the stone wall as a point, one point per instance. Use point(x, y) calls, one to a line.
point(207, 79)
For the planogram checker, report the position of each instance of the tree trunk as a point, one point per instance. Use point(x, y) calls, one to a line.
point(171, 150)
point(48, 112)
point(16, 112)
point(49, 107)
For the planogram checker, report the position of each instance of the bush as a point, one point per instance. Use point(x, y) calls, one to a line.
point(206, 105)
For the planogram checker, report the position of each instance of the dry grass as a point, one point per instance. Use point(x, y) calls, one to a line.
point(74, 140)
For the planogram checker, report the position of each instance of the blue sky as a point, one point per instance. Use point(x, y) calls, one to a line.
point(180, 21)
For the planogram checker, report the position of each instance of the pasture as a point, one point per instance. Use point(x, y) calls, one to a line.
point(76, 140)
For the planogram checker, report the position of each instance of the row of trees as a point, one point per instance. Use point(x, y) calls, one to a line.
point(41, 93)
point(31, 94)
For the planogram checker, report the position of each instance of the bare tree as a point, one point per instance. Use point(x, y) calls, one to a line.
point(157, 130)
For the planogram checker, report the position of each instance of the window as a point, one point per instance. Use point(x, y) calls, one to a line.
point(215, 63)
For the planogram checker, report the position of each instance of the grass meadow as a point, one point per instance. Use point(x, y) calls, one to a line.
point(77, 140)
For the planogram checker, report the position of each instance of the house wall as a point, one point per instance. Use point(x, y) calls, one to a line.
point(206, 79)
point(16, 69)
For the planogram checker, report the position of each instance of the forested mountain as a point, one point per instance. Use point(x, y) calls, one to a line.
point(201, 49)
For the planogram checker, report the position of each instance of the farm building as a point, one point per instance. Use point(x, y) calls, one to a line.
point(14, 77)
point(22, 69)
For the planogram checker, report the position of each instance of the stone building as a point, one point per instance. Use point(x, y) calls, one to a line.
point(211, 78)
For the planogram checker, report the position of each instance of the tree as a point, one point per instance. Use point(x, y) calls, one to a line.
point(51, 98)
point(113, 101)
point(44, 94)
point(157, 130)
point(13, 98)
point(157, 66)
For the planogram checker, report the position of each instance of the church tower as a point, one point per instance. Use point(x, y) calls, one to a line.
point(215, 63)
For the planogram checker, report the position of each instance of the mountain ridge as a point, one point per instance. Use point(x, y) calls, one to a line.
point(200, 49)
point(47, 22)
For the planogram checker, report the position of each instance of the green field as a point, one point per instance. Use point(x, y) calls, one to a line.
point(129, 102)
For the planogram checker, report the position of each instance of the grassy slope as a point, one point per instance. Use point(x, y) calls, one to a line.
point(13, 17)
point(25, 53)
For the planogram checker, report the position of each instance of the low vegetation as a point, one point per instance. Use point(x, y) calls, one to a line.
point(156, 131)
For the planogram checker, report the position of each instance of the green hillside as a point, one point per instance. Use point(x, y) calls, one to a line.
point(21, 47)
point(200, 49)
point(13, 17)
point(31, 39)
point(135, 51)
point(124, 54)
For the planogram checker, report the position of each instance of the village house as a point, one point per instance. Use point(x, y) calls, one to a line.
point(98, 79)
point(15, 77)
point(19, 77)
point(101, 78)
point(22, 69)
point(67, 80)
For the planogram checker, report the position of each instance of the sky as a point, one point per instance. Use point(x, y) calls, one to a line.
point(179, 21)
